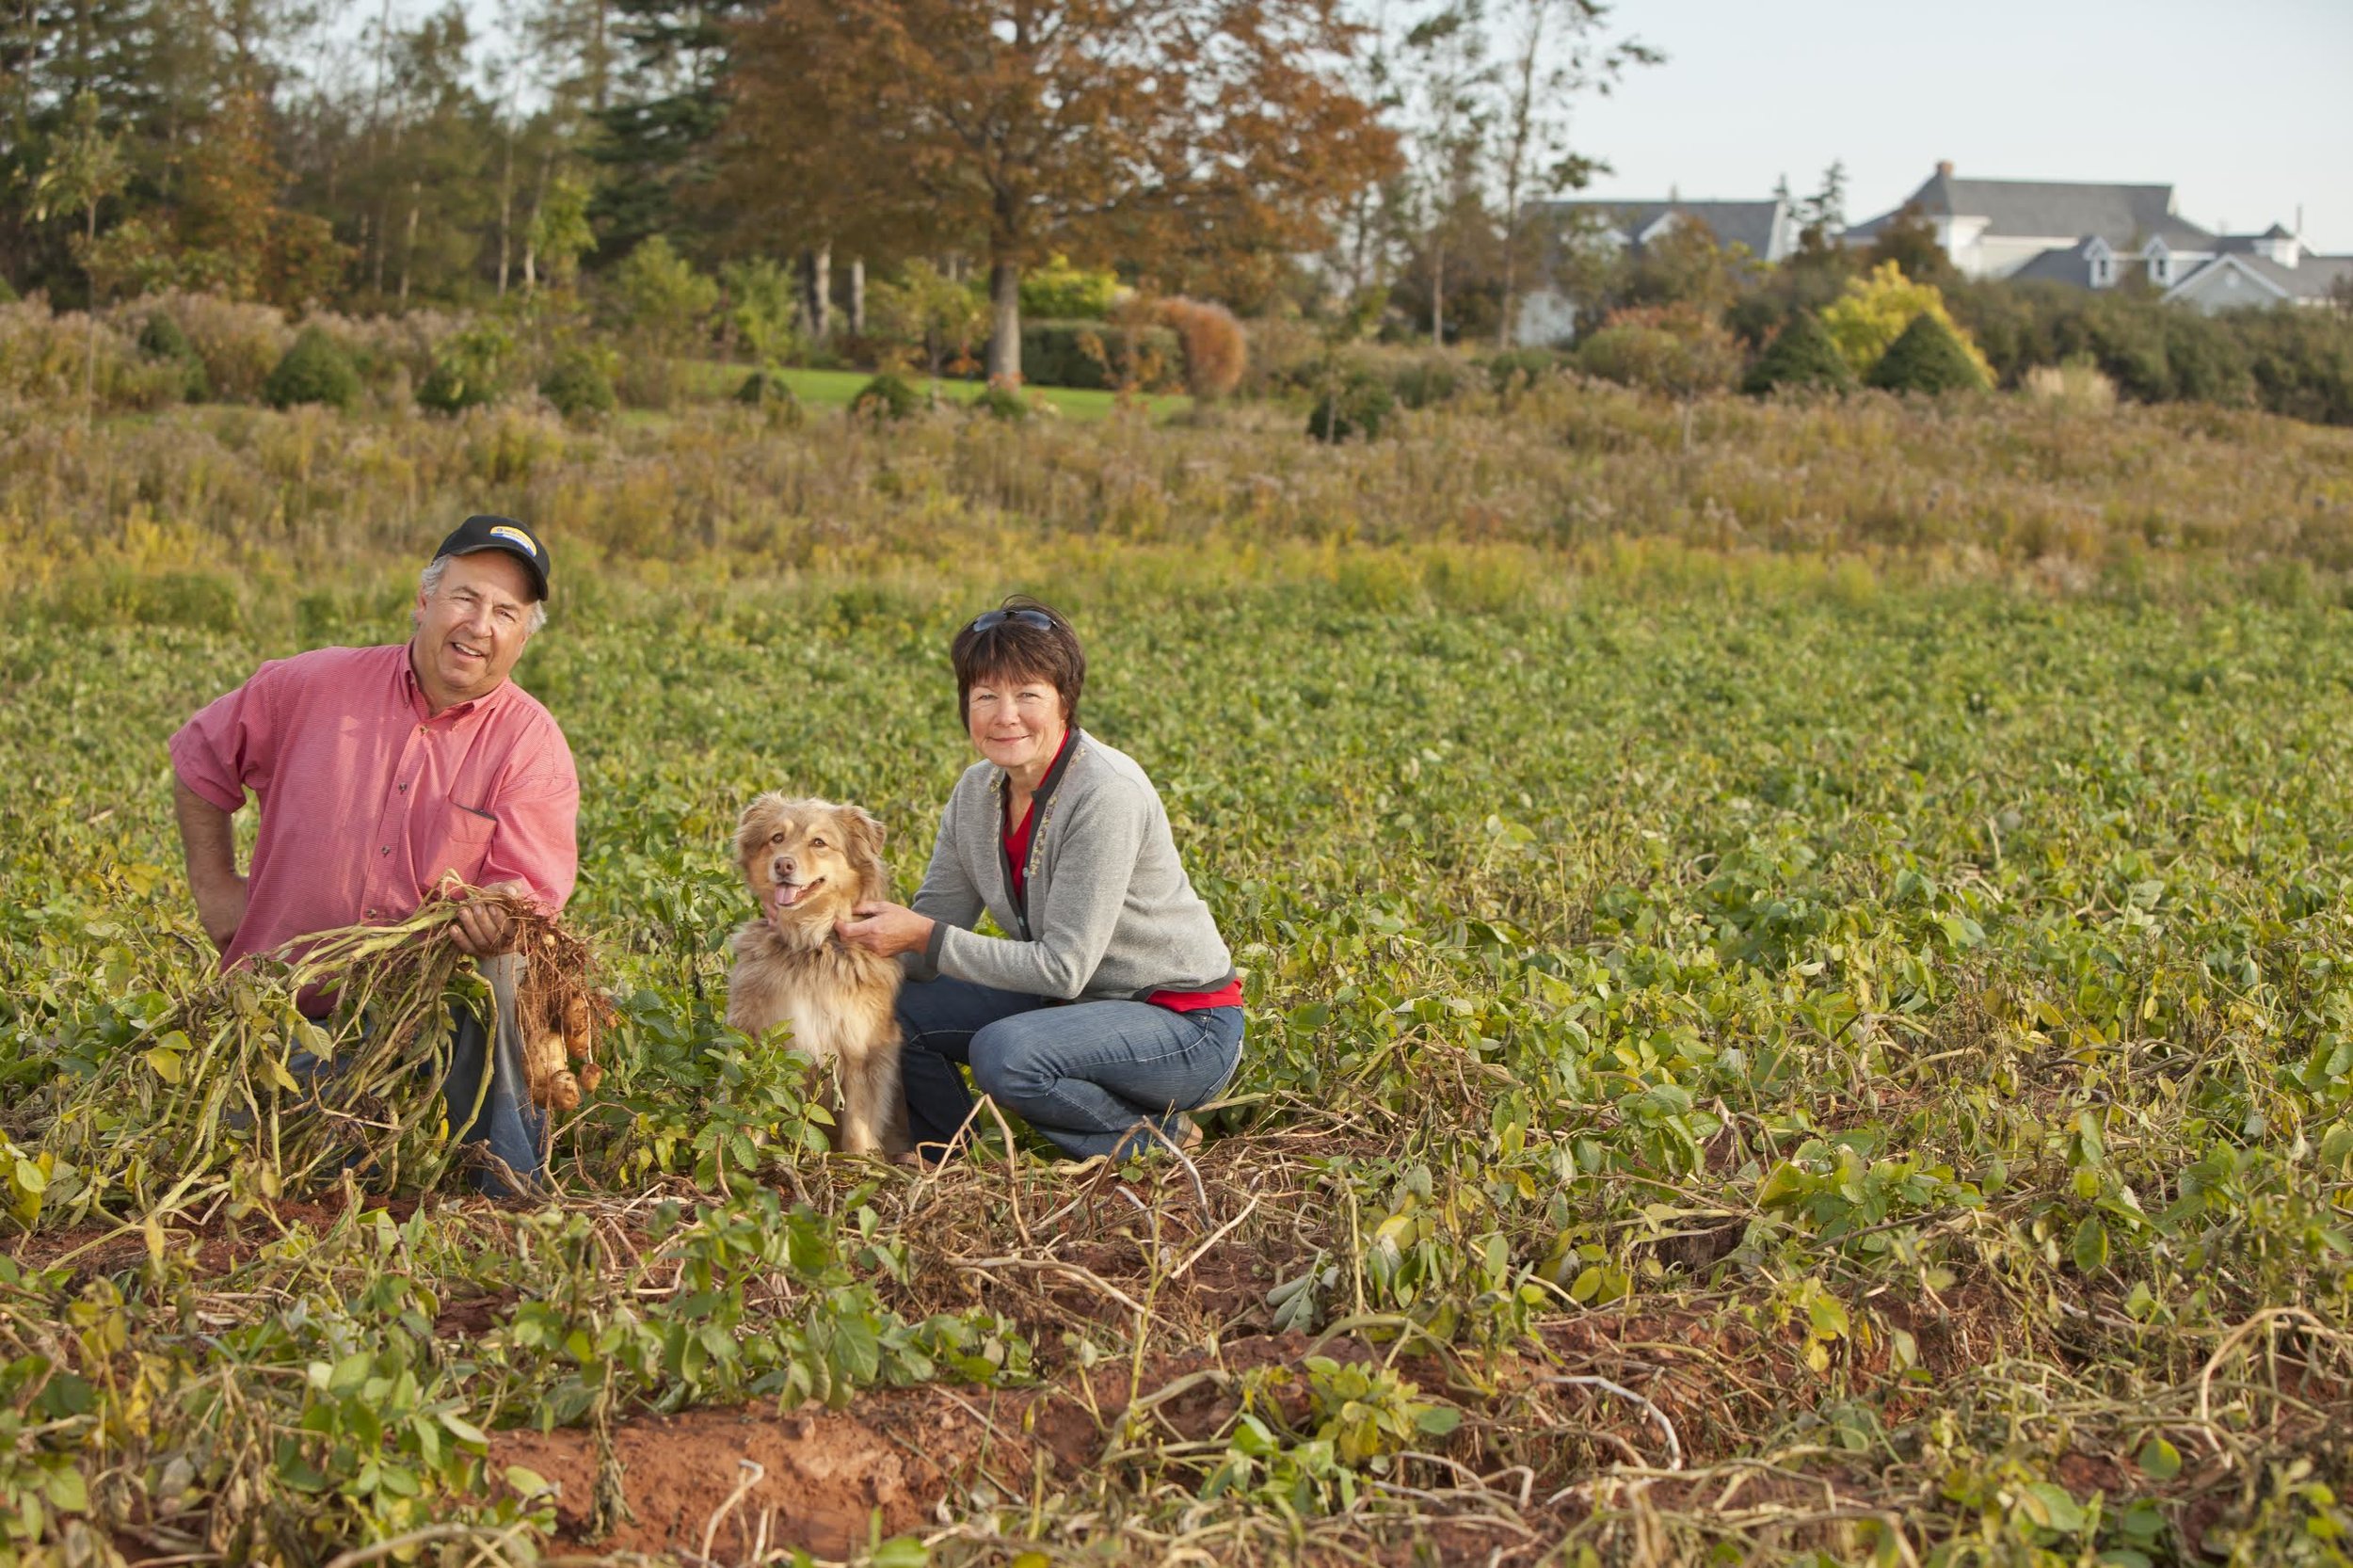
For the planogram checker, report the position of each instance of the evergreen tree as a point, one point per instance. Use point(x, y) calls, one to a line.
point(1801, 355)
point(658, 133)
point(1927, 358)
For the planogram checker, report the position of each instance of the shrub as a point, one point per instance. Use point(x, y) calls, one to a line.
point(8, 292)
point(2301, 361)
point(661, 295)
point(1098, 355)
point(1516, 368)
point(1674, 352)
point(1002, 403)
point(767, 391)
point(1059, 291)
point(468, 371)
point(239, 344)
point(161, 338)
point(1877, 308)
point(887, 397)
point(1216, 350)
point(579, 386)
point(1431, 379)
point(665, 304)
point(1928, 358)
point(1801, 355)
point(315, 370)
point(43, 358)
point(1359, 406)
point(928, 316)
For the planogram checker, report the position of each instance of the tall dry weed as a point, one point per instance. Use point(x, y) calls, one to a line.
point(1216, 349)
point(2077, 386)
point(1570, 465)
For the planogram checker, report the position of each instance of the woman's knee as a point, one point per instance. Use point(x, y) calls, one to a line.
point(1009, 1065)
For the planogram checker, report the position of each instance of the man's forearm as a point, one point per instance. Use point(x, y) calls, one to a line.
point(207, 841)
point(208, 844)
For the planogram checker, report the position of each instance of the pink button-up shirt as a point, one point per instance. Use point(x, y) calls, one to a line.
point(368, 800)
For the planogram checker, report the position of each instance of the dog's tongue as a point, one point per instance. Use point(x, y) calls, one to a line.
point(787, 895)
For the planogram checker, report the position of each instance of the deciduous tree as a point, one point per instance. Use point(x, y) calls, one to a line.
point(1174, 134)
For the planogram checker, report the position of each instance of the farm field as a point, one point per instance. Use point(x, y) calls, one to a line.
point(1750, 1061)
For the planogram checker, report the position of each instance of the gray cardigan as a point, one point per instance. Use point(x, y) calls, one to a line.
point(1109, 916)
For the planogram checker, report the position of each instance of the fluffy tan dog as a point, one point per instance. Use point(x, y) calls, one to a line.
point(808, 862)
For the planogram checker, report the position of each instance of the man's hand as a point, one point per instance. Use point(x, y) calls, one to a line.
point(221, 907)
point(209, 845)
point(886, 929)
point(483, 929)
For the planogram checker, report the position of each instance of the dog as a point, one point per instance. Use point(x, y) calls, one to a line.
point(808, 862)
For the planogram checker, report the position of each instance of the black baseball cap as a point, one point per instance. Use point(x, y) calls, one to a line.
point(484, 532)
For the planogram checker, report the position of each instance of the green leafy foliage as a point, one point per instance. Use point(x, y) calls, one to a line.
point(315, 370)
point(1893, 1024)
point(887, 398)
point(1060, 292)
point(1105, 355)
point(1926, 358)
point(469, 369)
point(1801, 357)
point(579, 385)
point(1359, 406)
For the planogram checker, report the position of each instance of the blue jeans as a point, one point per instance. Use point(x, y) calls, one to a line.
point(1087, 1075)
point(505, 1124)
point(498, 1119)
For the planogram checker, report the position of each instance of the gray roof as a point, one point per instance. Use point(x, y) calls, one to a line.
point(2122, 215)
point(2068, 264)
point(2313, 278)
point(2310, 278)
point(1748, 223)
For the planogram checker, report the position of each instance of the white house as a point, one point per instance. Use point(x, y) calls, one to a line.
point(2096, 236)
point(1765, 230)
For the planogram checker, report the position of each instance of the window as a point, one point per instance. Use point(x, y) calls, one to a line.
point(2103, 269)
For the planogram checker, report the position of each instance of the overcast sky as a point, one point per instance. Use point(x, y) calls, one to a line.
point(2244, 106)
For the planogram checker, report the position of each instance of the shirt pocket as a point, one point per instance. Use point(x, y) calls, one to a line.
point(457, 846)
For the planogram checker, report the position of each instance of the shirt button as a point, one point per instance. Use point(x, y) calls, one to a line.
point(404, 789)
point(386, 850)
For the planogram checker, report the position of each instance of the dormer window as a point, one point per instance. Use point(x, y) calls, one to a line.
point(2103, 263)
point(2160, 262)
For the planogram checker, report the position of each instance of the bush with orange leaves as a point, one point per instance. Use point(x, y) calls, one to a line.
point(1216, 349)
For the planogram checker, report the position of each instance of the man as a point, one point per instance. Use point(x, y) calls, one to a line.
point(378, 773)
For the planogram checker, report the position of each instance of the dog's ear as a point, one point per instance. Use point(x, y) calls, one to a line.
point(752, 826)
point(865, 847)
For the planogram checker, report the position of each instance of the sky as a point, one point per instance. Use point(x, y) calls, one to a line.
point(2244, 106)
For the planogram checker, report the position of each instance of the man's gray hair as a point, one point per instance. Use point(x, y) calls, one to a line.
point(429, 582)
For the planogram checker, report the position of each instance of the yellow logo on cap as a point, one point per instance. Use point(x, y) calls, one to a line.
point(503, 532)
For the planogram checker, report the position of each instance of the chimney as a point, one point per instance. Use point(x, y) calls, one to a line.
point(1945, 167)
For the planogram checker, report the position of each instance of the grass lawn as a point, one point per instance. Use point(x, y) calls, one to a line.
point(833, 389)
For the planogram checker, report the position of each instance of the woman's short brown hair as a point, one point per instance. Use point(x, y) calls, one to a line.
point(1014, 647)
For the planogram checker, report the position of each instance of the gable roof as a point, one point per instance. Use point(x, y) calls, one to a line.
point(2313, 278)
point(2119, 214)
point(1750, 223)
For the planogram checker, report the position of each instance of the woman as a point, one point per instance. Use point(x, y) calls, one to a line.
point(1112, 1005)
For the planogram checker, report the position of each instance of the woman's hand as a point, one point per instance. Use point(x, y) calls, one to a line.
point(886, 929)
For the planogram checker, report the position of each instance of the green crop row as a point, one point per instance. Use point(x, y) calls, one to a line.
point(1904, 1036)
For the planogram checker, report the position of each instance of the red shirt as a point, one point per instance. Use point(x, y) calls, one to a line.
point(368, 800)
point(1017, 853)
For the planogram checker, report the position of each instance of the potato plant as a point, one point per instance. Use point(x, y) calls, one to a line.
point(1747, 1063)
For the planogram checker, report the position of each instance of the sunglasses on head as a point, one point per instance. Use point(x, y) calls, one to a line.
point(993, 618)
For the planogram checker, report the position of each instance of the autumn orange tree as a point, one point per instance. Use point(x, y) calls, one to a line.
point(1188, 140)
